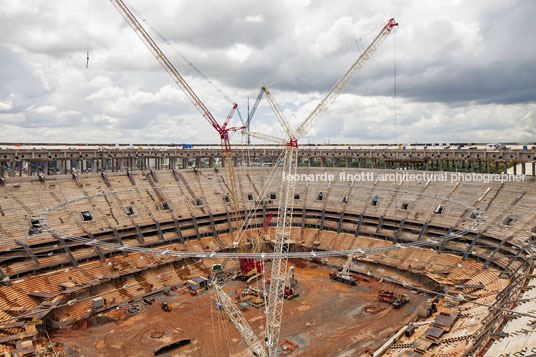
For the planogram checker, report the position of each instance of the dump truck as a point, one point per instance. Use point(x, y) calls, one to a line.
point(400, 300)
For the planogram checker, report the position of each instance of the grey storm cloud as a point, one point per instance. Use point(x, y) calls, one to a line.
point(464, 70)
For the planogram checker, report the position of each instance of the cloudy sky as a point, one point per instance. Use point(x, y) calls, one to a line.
point(465, 70)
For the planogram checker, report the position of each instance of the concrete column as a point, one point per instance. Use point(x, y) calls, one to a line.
point(323, 162)
point(211, 162)
point(505, 167)
point(524, 168)
point(185, 163)
point(533, 169)
point(515, 168)
point(1, 169)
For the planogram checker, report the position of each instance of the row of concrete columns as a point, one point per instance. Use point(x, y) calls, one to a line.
point(50, 167)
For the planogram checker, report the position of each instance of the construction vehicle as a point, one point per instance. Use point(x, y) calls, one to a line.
point(386, 296)
point(256, 300)
point(290, 283)
point(344, 276)
point(396, 300)
point(290, 293)
point(165, 306)
point(400, 300)
point(251, 269)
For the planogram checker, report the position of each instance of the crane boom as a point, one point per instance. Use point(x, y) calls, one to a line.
point(273, 139)
point(279, 114)
point(346, 267)
point(254, 108)
point(341, 84)
point(239, 321)
point(163, 60)
point(224, 132)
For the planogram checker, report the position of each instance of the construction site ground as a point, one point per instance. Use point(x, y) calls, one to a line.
point(327, 319)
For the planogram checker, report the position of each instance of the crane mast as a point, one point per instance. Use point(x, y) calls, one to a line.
point(276, 295)
point(224, 131)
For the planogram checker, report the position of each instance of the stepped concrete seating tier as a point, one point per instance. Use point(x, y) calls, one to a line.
point(168, 195)
point(520, 331)
point(109, 209)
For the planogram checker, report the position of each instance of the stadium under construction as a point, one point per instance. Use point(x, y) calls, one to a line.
point(267, 249)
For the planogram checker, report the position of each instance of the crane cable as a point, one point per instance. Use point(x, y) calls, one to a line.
point(395, 112)
point(170, 44)
point(87, 33)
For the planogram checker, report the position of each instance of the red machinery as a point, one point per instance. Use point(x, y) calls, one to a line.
point(248, 264)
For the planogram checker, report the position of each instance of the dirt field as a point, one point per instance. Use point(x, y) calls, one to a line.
point(327, 319)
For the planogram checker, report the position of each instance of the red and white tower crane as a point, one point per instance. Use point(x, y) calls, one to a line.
point(223, 130)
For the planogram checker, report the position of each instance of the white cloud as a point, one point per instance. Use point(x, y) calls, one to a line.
point(464, 69)
point(44, 109)
point(255, 19)
point(239, 52)
point(5, 106)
